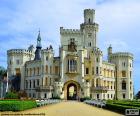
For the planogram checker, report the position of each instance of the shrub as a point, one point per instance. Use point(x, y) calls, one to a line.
point(11, 95)
point(121, 106)
point(85, 98)
point(16, 105)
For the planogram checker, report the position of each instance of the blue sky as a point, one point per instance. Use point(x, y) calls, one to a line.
point(119, 22)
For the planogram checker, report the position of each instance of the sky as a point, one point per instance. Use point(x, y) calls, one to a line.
point(119, 25)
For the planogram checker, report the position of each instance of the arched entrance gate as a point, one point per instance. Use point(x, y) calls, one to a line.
point(71, 90)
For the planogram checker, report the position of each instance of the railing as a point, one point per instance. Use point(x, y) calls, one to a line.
point(100, 88)
point(97, 103)
point(41, 88)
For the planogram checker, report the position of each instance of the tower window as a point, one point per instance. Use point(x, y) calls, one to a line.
point(123, 73)
point(123, 85)
point(130, 74)
point(97, 70)
point(123, 95)
point(89, 20)
point(87, 71)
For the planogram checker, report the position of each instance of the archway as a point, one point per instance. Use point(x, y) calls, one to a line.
point(71, 90)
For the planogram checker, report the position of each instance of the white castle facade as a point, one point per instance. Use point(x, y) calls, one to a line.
point(79, 71)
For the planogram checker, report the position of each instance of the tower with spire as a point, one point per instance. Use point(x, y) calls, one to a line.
point(38, 48)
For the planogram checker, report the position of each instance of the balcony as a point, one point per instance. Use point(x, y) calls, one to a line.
point(71, 73)
point(43, 88)
point(101, 89)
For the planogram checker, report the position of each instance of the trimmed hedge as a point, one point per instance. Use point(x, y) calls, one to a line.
point(85, 98)
point(121, 106)
point(16, 105)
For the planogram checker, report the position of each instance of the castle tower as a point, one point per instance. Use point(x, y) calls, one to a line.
point(89, 16)
point(109, 50)
point(124, 80)
point(38, 48)
point(89, 29)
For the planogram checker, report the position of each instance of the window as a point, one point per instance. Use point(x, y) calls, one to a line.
point(87, 71)
point(17, 62)
point(46, 69)
point(97, 83)
point(89, 20)
point(123, 64)
point(46, 58)
point(130, 64)
point(97, 96)
point(89, 35)
point(123, 73)
point(10, 62)
point(123, 95)
point(130, 74)
point(97, 59)
point(123, 85)
point(130, 85)
point(33, 83)
point(89, 44)
point(111, 95)
point(45, 95)
point(97, 70)
point(26, 84)
point(37, 82)
point(72, 65)
point(56, 70)
point(108, 96)
point(100, 70)
point(30, 83)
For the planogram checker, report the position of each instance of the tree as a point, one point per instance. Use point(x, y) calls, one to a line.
point(138, 95)
point(3, 72)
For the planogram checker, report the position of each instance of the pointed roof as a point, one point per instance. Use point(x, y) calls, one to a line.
point(39, 40)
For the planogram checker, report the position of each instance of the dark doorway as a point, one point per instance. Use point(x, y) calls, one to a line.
point(71, 91)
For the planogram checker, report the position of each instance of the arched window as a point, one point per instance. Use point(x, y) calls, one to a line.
point(123, 85)
point(89, 20)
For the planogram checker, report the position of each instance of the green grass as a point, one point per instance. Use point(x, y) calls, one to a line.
point(16, 105)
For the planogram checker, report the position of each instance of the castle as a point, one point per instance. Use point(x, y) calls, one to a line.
point(79, 71)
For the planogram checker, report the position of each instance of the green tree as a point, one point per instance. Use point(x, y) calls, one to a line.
point(3, 72)
point(138, 95)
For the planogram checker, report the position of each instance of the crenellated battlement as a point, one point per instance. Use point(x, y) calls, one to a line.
point(89, 10)
point(69, 31)
point(97, 51)
point(122, 54)
point(19, 51)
